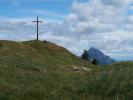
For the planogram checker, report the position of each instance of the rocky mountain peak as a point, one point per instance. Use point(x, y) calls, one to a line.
point(97, 57)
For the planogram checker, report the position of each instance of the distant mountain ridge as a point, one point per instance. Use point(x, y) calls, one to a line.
point(98, 57)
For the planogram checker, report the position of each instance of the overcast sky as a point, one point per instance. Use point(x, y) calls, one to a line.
point(75, 24)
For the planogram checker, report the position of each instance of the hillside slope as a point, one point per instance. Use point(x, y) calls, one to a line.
point(35, 52)
point(53, 54)
point(35, 70)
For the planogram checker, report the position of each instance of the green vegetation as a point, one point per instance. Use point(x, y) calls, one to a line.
point(37, 70)
point(85, 55)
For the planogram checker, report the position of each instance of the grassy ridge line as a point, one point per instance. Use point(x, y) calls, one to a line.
point(36, 52)
point(55, 54)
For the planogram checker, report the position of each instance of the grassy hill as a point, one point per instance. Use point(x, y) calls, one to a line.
point(36, 70)
point(35, 53)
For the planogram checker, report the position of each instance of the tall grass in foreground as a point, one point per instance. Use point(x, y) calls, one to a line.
point(41, 71)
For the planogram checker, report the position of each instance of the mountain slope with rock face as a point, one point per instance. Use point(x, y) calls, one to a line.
point(97, 57)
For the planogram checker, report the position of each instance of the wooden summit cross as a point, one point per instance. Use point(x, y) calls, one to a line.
point(37, 21)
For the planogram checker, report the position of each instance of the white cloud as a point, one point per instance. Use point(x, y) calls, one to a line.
point(103, 24)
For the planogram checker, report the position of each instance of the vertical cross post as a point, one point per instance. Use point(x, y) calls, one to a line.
point(37, 28)
point(37, 21)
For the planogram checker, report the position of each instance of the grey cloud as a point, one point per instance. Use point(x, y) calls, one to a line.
point(116, 3)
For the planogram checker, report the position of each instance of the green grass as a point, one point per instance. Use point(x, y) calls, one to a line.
point(34, 70)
